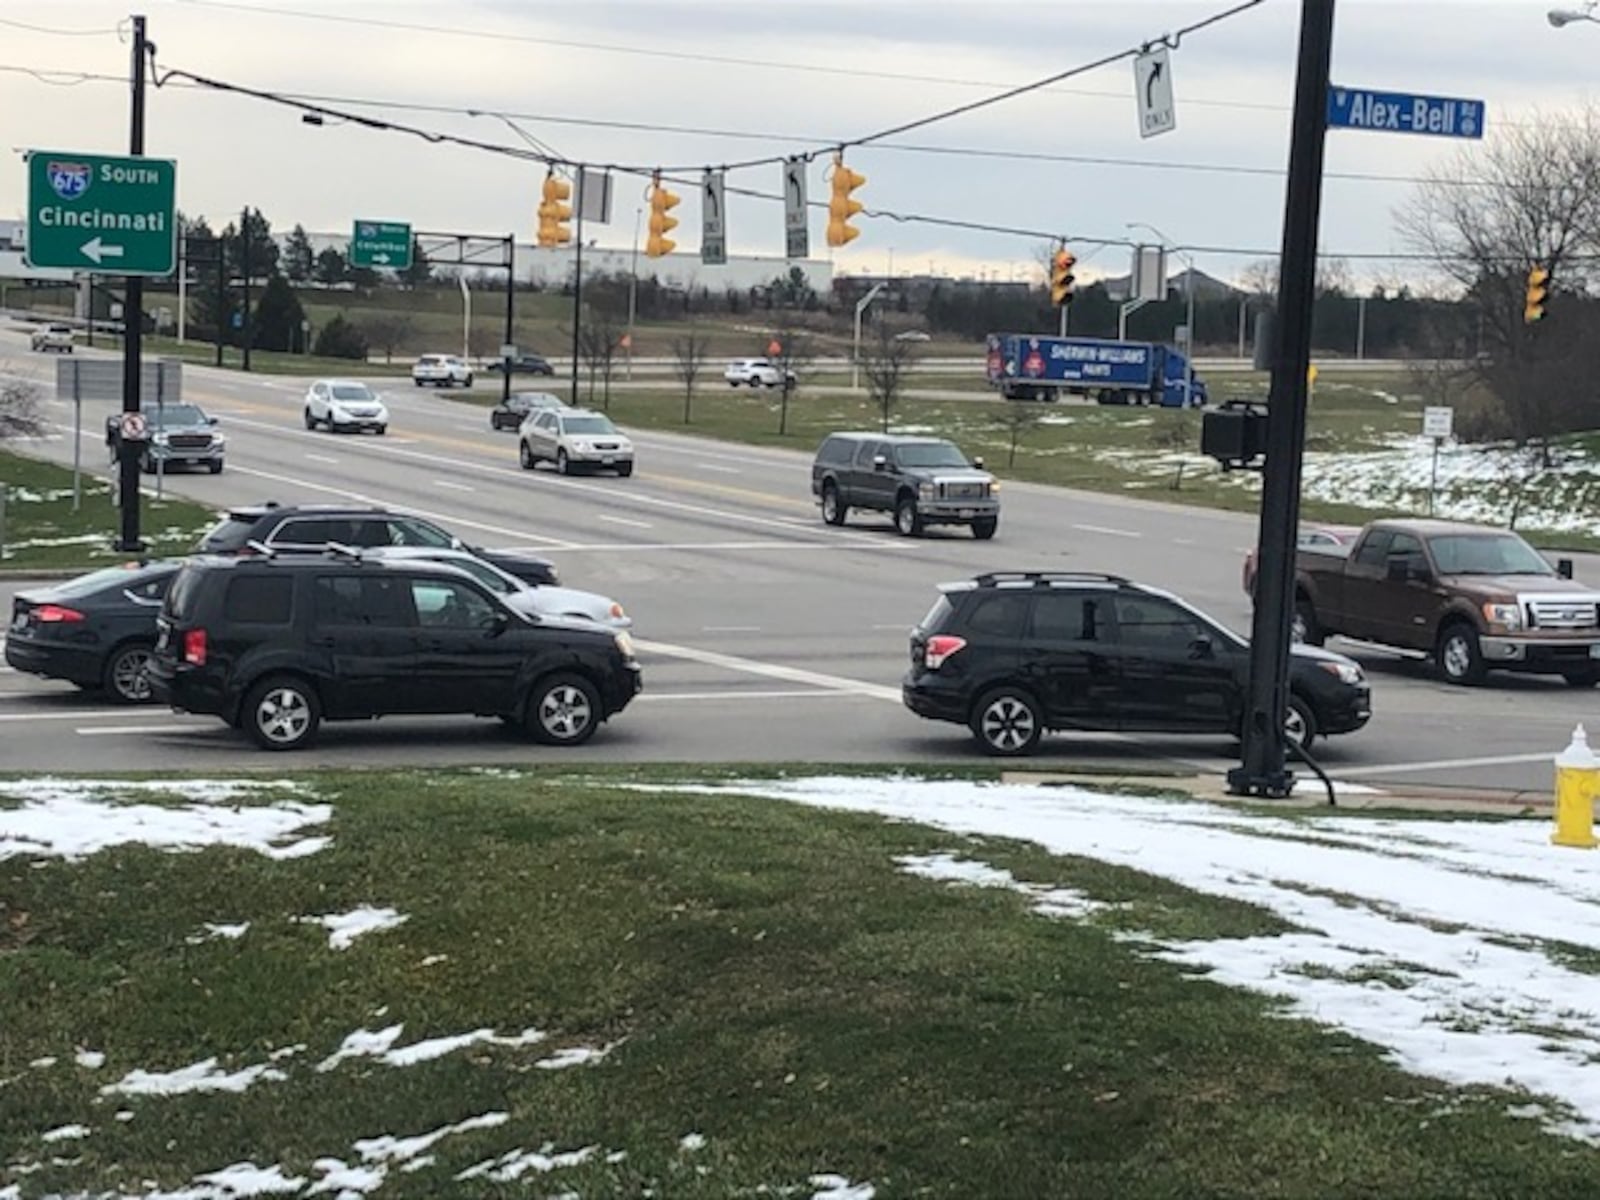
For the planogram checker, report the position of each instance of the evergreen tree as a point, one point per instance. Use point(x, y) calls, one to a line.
point(421, 270)
point(276, 322)
point(331, 267)
point(298, 257)
point(263, 250)
point(341, 339)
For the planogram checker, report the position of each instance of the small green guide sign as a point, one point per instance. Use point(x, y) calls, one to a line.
point(384, 244)
point(88, 212)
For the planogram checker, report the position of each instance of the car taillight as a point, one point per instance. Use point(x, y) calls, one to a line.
point(939, 648)
point(53, 614)
point(194, 647)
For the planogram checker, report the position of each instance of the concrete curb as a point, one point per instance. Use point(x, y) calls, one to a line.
point(39, 574)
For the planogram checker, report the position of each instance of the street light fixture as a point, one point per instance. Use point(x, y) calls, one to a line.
point(1188, 289)
point(1566, 16)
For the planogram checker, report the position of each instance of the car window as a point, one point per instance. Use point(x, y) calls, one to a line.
point(319, 391)
point(1405, 544)
point(1065, 617)
point(1150, 622)
point(316, 531)
point(445, 604)
point(408, 531)
point(588, 424)
point(937, 615)
point(428, 360)
point(352, 391)
point(492, 579)
point(258, 599)
point(179, 604)
point(368, 601)
point(107, 579)
point(835, 451)
point(930, 454)
point(1374, 548)
point(175, 414)
point(999, 614)
point(1486, 554)
point(150, 590)
point(867, 452)
point(545, 420)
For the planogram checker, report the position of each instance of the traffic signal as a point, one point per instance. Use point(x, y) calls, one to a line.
point(1538, 289)
point(661, 201)
point(843, 206)
point(554, 212)
point(1061, 278)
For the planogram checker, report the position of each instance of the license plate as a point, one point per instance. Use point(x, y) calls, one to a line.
point(969, 512)
point(21, 619)
point(607, 461)
point(1594, 650)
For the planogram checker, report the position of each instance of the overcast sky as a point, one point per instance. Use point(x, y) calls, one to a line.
point(789, 77)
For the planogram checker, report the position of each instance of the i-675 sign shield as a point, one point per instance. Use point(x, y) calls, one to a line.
point(88, 212)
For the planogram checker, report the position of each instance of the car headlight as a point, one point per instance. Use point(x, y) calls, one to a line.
point(616, 612)
point(1506, 616)
point(1345, 672)
point(926, 491)
point(218, 439)
point(624, 644)
point(160, 439)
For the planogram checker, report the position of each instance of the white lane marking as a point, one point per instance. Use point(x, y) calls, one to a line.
point(454, 487)
point(747, 694)
point(323, 458)
point(730, 629)
point(1444, 764)
point(751, 666)
point(1108, 531)
point(122, 730)
point(904, 626)
point(705, 466)
point(606, 547)
point(625, 521)
point(1183, 541)
point(555, 543)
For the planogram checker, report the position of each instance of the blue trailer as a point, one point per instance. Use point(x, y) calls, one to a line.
point(1027, 366)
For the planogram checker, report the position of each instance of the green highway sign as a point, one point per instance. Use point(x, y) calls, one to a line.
point(114, 216)
point(381, 244)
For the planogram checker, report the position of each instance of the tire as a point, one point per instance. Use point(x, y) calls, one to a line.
point(624, 470)
point(381, 430)
point(215, 466)
point(906, 517)
point(563, 710)
point(1300, 723)
point(526, 456)
point(281, 712)
point(1458, 655)
point(125, 678)
point(833, 512)
point(1007, 722)
point(563, 467)
point(1304, 626)
point(418, 382)
point(147, 464)
point(468, 382)
point(984, 530)
point(1587, 677)
point(311, 422)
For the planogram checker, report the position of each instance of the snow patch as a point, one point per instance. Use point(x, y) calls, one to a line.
point(91, 1060)
point(691, 1141)
point(838, 1187)
point(518, 1162)
point(199, 1077)
point(63, 1132)
point(345, 928)
point(574, 1056)
point(213, 932)
point(364, 1043)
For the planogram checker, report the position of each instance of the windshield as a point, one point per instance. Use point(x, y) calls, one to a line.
point(930, 454)
point(176, 414)
point(490, 577)
point(1486, 554)
point(588, 425)
point(352, 391)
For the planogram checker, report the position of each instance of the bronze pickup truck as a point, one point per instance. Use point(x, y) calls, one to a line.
point(1474, 598)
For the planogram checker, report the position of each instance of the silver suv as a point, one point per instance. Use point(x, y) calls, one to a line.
point(572, 438)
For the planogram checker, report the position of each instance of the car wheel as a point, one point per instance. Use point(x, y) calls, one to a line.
point(1585, 678)
point(215, 466)
point(1299, 724)
point(1006, 722)
point(563, 467)
point(311, 422)
point(1458, 656)
point(147, 464)
point(906, 517)
point(625, 470)
point(733, 383)
point(984, 530)
point(381, 430)
point(126, 678)
point(833, 512)
point(467, 382)
point(282, 713)
point(529, 462)
point(563, 710)
point(418, 382)
point(1303, 626)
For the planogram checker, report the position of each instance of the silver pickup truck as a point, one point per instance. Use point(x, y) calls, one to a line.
point(180, 435)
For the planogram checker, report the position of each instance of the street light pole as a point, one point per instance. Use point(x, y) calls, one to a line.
point(855, 358)
point(633, 286)
point(1188, 291)
point(1566, 16)
point(133, 324)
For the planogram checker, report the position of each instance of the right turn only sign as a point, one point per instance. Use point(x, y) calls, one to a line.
point(1152, 81)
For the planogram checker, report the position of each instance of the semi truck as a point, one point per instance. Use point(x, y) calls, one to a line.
point(1026, 366)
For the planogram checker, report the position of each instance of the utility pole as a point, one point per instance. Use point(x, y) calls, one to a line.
point(244, 261)
point(577, 285)
point(133, 303)
point(633, 286)
point(1262, 771)
point(511, 311)
point(222, 292)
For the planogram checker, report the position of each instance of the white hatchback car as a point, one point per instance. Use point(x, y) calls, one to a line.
point(441, 370)
point(345, 406)
point(573, 438)
point(755, 372)
point(538, 600)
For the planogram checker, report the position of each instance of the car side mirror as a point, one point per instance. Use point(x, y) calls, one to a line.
point(1201, 647)
point(978, 462)
point(880, 463)
point(500, 623)
point(211, 420)
point(1564, 568)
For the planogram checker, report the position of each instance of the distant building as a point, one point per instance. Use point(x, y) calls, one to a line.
point(916, 290)
point(13, 237)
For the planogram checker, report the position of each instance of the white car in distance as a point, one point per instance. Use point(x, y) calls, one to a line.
point(441, 370)
point(536, 600)
point(573, 438)
point(755, 372)
point(345, 406)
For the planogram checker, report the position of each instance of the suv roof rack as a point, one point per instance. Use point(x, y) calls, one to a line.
point(992, 577)
point(341, 550)
point(261, 548)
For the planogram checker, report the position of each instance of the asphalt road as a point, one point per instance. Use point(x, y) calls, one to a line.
point(765, 635)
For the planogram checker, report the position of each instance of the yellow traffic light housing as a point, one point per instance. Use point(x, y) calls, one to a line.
point(554, 212)
point(1538, 289)
point(1061, 277)
point(843, 206)
point(661, 202)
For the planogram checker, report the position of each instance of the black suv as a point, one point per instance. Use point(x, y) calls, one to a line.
point(1012, 654)
point(921, 480)
point(311, 528)
point(276, 644)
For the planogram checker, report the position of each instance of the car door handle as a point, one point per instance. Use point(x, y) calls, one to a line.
point(324, 642)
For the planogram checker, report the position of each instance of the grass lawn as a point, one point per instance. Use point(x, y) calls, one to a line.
point(668, 994)
point(41, 530)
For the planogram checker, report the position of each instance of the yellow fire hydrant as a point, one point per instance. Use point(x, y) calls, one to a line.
point(1577, 782)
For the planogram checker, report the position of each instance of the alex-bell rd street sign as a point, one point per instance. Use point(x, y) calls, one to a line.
point(1402, 112)
point(381, 244)
point(114, 216)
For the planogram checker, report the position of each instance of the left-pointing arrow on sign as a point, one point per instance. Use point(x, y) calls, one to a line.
point(97, 251)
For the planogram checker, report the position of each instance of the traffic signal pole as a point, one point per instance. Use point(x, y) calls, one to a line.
point(133, 330)
point(1262, 771)
point(577, 282)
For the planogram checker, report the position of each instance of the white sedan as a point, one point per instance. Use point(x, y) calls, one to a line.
point(345, 406)
point(536, 600)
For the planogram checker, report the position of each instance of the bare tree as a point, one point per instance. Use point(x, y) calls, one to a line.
point(21, 411)
point(387, 330)
point(598, 342)
point(688, 360)
point(1017, 417)
point(886, 361)
point(795, 353)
